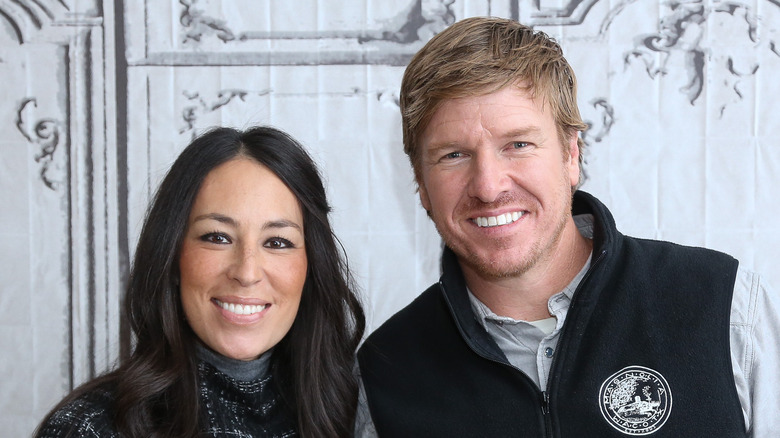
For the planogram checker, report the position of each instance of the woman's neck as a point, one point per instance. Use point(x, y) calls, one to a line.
point(243, 370)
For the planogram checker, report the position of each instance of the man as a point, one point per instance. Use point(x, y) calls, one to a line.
point(547, 321)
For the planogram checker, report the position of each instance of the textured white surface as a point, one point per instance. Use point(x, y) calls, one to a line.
point(683, 146)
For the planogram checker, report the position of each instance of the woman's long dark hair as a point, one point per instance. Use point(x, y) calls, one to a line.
point(156, 389)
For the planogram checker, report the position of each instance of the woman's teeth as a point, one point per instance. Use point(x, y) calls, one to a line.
point(241, 309)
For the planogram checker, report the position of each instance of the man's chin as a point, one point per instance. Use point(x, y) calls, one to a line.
point(491, 267)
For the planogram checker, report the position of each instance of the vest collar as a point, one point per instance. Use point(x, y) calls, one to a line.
point(606, 239)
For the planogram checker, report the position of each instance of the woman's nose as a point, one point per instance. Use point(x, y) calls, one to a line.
point(247, 267)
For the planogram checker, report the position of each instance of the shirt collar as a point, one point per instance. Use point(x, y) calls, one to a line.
point(237, 369)
point(584, 223)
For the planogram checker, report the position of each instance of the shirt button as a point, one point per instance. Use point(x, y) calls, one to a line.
point(548, 352)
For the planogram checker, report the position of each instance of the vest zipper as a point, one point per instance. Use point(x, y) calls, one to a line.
point(545, 406)
point(545, 403)
point(546, 414)
point(545, 393)
point(545, 396)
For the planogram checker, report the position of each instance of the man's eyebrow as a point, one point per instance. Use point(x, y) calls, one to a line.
point(518, 132)
point(435, 147)
point(522, 132)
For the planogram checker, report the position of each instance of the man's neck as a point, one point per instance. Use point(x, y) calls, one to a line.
point(525, 296)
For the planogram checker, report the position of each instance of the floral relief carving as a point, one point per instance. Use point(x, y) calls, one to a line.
point(683, 32)
point(198, 25)
point(43, 134)
point(201, 105)
point(597, 131)
point(420, 21)
point(417, 22)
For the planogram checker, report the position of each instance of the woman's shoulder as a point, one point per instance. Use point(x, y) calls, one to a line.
point(87, 415)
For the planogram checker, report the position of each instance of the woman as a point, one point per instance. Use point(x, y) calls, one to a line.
point(240, 302)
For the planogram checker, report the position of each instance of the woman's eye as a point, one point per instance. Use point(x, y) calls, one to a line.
point(216, 238)
point(278, 243)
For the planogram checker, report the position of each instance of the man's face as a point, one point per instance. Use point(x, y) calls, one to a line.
point(497, 180)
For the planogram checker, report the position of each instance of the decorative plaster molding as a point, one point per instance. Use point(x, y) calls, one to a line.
point(190, 113)
point(44, 133)
point(197, 25)
point(420, 21)
point(393, 43)
point(680, 32)
point(27, 17)
point(607, 119)
point(773, 48)
point(390, 97)
point(572, 13)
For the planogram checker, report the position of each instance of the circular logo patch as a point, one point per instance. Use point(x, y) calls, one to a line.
point(636, 400)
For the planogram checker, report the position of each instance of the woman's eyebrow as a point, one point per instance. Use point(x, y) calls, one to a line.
point(272, 224)
point(216, 217)
point(282, 223)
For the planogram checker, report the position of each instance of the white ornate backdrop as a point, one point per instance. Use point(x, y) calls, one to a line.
point(97, 98)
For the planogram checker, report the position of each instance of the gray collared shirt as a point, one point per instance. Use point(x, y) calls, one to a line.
point(525, 345)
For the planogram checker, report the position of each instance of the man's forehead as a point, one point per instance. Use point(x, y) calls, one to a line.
point(501, 114)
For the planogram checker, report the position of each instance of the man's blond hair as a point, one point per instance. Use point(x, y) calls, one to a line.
point(480, 55)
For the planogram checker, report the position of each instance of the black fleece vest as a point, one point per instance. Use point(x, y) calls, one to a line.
point(644, 350)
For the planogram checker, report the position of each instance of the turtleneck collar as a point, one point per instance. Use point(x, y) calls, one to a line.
point(242, 370)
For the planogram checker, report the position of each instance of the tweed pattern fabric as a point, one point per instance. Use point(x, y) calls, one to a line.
point(232, 408)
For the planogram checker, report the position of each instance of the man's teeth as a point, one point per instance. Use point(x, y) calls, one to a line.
point(501, 219)
point(241, 309)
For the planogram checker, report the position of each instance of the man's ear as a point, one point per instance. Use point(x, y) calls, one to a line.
point(424, 200)
point(573, 160)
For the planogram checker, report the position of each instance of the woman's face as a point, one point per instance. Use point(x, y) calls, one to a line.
point(243, 260)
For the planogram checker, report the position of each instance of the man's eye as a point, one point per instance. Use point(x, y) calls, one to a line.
point(278, 243)
point(519, 144)
point(216, 238)
point(453, 155)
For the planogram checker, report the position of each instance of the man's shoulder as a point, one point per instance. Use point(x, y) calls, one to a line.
point(420, 327)
point(421, 334)
point(679, 252)
point(414, 315)
point(662, 265)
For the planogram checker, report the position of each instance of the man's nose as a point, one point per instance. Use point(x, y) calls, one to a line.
point(489, 177)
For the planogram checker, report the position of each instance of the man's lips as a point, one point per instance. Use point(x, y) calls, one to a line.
point(501, 219)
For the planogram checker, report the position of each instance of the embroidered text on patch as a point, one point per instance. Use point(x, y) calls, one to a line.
point(636, 400)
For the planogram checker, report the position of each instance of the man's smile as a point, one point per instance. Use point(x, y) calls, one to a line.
point(501, 219)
